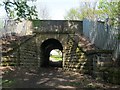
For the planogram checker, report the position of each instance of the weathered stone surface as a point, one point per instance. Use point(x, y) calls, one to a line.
point(78, 53)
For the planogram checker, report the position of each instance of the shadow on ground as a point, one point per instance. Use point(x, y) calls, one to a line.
point(22, 77)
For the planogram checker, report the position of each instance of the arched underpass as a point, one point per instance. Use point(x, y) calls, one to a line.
point(46, 47)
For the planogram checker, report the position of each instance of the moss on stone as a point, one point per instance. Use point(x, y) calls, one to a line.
point(36, 23)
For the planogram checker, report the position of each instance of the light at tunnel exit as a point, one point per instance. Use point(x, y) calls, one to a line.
point(55, 55)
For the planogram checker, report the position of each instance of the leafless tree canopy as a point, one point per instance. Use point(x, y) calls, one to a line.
point(43, 13)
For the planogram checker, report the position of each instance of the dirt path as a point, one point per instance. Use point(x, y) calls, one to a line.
point(49, 78)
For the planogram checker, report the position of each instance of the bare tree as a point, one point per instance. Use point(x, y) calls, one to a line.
point(89, 9)
point(85, 10)
point(44, 13)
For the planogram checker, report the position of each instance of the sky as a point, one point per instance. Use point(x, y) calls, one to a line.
point(56, 8)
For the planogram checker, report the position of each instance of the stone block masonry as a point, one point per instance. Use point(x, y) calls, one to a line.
point(78, 53)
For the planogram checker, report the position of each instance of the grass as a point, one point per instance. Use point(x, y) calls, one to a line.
point(56, 57)
point(7, 83)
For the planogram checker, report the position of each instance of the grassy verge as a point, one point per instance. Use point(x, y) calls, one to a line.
point(56, 57)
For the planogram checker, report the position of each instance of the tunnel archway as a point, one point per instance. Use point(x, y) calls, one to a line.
point(46, 47)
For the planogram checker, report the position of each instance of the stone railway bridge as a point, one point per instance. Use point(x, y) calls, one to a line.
point(78, 54)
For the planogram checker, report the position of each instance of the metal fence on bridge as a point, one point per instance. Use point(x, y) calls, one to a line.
point(102, 35)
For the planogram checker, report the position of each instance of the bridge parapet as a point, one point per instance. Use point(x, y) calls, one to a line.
point(56, 26)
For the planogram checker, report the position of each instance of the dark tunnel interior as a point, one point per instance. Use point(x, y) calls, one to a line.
point(46, 47)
